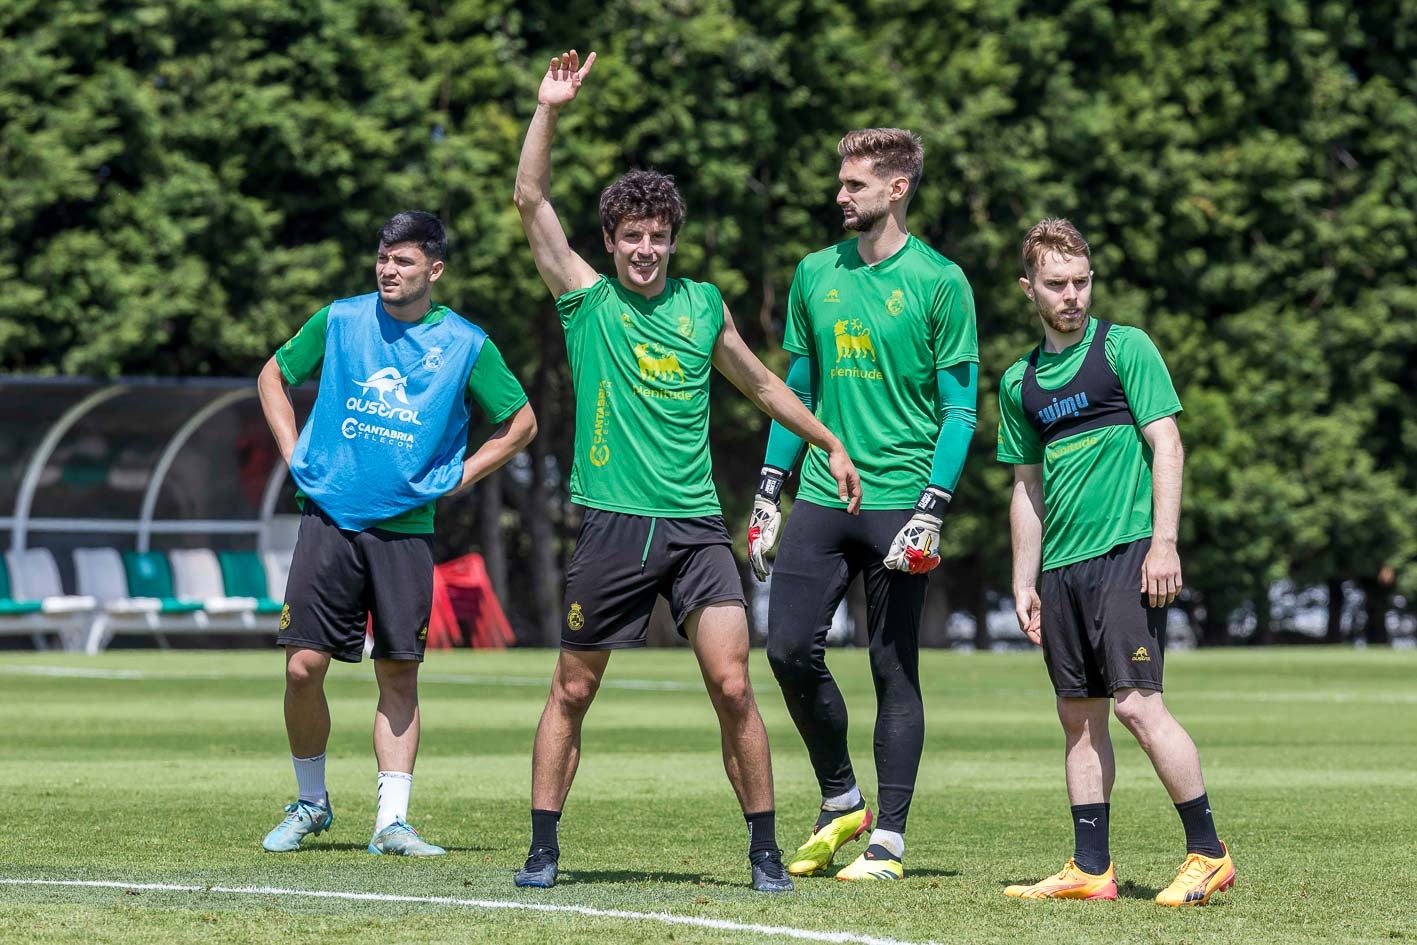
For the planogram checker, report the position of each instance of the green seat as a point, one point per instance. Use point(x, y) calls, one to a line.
point(243, 575)
point(149, 575)
point(8, 605)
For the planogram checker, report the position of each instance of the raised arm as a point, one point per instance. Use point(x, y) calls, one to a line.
point(560, 267)
point(765, 389)
point(1161, 571)
point(1026, 530)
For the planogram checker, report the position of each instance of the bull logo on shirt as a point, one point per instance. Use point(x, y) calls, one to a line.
point(663, 365)
point(853, 340)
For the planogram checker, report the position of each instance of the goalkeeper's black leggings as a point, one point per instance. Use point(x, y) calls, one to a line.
point(821, 550)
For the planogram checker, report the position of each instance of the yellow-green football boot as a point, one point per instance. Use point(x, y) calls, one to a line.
point(828, 836)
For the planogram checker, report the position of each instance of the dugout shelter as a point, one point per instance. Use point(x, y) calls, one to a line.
point(139, 505)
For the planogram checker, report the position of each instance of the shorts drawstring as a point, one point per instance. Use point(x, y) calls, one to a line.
point(648, 538)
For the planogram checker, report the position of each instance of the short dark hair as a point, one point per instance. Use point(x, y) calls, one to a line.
point(891, 151)
point(642, 195)
point(416, 226)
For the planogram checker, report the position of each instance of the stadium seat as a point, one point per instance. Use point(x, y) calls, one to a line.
point(100, 573)
point(196, 576)
point(277, 564)
point(32, 600)
point(64, 615)
point(244, 575)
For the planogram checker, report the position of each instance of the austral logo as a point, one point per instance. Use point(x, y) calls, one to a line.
point(599, 452)
point(384, 382)
point(1070, 405)
point(833, 297)
point(1141, 655)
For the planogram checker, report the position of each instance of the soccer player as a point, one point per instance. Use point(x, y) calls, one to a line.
point(1088, 419)
point(387, 436)
point(641, 345)
point(882, 340)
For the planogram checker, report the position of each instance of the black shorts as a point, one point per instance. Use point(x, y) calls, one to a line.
point(339, 578)
point(1099, 635)
point(623, 562)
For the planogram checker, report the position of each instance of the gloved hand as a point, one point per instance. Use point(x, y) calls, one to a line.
point(766, 520)
point(916, 547)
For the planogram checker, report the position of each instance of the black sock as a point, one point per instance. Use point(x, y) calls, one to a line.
point(1090, 852)
point(827, 816)
point(1200, 829)
point(544, 824)
point(762, 831)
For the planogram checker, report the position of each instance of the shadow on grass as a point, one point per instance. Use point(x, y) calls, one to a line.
point(346, 847)
point(644, 876)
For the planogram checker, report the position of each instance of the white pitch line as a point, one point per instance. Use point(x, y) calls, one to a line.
point(780, 931)
point(536, 682)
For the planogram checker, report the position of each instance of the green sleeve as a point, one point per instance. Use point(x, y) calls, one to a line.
point(301, 355)
point(959, 391)
point(492, 385)
point(572, 302)
point(1145, 380)
point(1019, 442)
point(784, 446)
point(797, 336)
point(952, 322)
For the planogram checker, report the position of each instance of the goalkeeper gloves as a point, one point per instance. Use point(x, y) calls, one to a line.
point(766, 520)
point(916, 547)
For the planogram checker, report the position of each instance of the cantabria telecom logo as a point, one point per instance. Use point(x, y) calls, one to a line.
point(599, 447)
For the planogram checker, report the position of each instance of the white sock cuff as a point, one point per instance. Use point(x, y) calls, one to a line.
point(889, 839)
point(843, 801)
point(395, 775)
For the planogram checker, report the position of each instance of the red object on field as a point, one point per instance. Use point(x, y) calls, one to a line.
point(465, 610)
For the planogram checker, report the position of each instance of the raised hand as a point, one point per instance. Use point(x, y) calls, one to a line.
point(563, 78)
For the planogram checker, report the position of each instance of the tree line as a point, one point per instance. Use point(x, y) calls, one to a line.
point(183, 182)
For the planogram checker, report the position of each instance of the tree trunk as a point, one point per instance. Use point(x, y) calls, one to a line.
point(489, 532)
point(1375, 604)
point(1215, 625)
point(1335, 612)
point(1264, 618)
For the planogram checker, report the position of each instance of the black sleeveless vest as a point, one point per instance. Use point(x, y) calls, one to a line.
point(1091, 400)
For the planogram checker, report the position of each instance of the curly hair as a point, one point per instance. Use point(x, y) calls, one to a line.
point(891, 151)
point(642, 195)
point(1052, 235)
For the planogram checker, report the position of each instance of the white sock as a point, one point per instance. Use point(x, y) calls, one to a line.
point(310, 777)
point(891, 840)
point(394, 787)
point(843, 801)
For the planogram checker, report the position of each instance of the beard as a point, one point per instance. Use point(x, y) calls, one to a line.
point(1058, 322)
point(865, 220)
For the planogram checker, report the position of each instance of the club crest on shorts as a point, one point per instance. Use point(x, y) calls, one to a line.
point(423, 634)
point(285, 617)
point(1141, 655)
point(575, 617)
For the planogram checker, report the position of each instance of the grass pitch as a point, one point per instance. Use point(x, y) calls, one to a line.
point(149, 769)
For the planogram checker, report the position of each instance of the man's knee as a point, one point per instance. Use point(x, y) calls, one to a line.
point(791, 658)
point(305, 670)
point(1142, 713)
point(732, 693)
point(574, 692)
point(397, 678)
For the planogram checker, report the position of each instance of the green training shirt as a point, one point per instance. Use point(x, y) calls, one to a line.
point(490, 384)
point(1097, 484)
point(640, 368)
point(878, 335)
